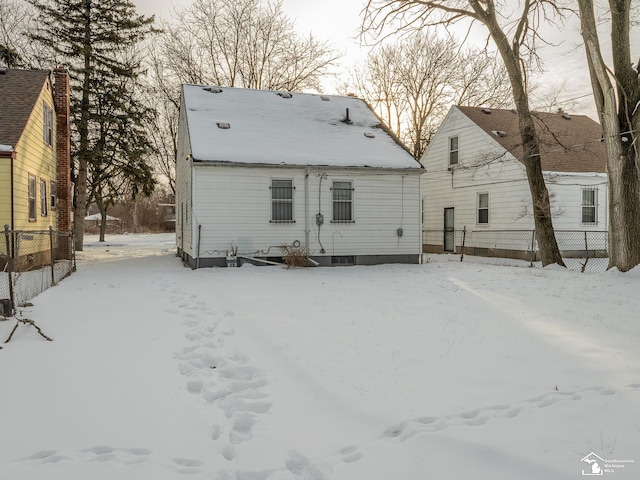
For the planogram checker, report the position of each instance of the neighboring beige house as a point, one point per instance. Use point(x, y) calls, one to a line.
point(475, 182)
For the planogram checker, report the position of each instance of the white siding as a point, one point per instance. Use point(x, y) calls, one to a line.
point(485, 167)
point(232, 206)
point(184, 227)
point(482, 168)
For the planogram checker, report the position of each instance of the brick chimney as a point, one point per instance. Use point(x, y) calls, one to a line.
point(64, 205)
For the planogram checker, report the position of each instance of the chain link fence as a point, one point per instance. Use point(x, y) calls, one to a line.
point(581, 250)
point(31, 262)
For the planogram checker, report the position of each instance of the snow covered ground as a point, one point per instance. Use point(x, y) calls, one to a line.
point(444, 370)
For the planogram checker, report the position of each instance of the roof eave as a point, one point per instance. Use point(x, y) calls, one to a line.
point(223, 163)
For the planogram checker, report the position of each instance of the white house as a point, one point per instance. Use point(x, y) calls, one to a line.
point(475, 188)
point(261, 170)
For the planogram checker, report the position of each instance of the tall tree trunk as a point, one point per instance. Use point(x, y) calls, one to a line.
point(83, 132)
point(545, 234)
point(616, 111)
point(134, 216)
point(102, 208)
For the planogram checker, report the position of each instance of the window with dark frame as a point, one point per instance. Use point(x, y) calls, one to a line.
point(453, 150)
point(342, 195)
point(48, 125)
point(32, 198)
point(44, 198)
point(53, 193)
point(589, 205)
point(483, 208)
point(282, 201)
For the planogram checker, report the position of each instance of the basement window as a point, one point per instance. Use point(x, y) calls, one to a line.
point(337, 260)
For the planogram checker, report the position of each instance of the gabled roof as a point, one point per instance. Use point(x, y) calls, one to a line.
point(265, 127)
point(568, 143)
point(19, 91)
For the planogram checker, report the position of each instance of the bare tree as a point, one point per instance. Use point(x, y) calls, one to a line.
point(412, 82)
point(515, 36)
point(617, 97)
point(243, 43)
point(163, 93)
point(16, 19)
point(237, 43)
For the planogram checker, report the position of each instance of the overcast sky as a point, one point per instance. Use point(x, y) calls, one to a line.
point(338, 21)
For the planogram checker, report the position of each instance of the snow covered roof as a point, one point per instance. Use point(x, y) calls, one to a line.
point(6, 148)
point(247, 126)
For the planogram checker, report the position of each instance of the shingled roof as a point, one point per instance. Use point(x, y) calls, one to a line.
point(19, 91)
point(568, 143)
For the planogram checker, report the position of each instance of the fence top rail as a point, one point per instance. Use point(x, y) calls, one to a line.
point(40, 232)
point(516, 231)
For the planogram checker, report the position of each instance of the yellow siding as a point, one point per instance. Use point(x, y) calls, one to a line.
point(34, 157)
point(5, 192)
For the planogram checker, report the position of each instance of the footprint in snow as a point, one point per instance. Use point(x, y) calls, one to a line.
point(350, 454)
point(302, 467)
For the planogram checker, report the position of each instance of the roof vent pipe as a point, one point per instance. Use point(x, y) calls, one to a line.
point(347, 120)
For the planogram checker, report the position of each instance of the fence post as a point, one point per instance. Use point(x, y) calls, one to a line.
point(9, 267)
point(464, 237)
point(586, 253)
point(533, 252)
point(52, 260)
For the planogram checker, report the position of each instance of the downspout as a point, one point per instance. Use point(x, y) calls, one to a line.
point(306, 210)
point(12, 188)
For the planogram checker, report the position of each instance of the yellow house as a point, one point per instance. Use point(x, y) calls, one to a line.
point(34, 150)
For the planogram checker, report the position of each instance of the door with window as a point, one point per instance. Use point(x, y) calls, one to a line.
point(449, 232)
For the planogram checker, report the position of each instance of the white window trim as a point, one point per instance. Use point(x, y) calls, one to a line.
point(48, 125)
point(44, 198)
point(293, 202)
point(352, 201)
point(32, 197)
point(478, 194)
point(593, 206)
point(450, 151)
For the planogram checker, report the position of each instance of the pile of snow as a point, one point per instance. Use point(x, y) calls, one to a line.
point(443, 370)
point(97, 216)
